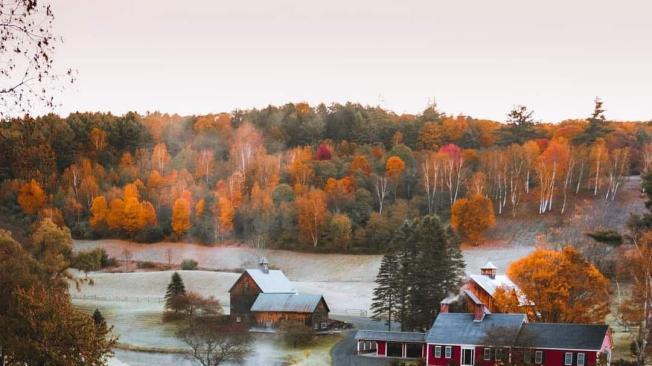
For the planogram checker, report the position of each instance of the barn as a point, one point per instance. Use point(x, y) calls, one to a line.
point(264, 297)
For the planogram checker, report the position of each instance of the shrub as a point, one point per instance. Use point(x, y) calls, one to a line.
point(189, 265)
point(105, 260)
point(93, 260)
point(296, 334)
point(607, 236)
point(151, 234)
point(82, 230)
point(147, 265)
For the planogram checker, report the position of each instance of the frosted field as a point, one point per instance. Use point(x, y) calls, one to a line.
point(309, 267)
point(146, 340)
point(131, 301)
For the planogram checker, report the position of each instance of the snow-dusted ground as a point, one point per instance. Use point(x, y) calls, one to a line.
point(345, 281)
point(131, 301)
point(298, 266)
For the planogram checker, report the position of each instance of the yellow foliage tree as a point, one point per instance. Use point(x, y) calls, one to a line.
point(471, 217)
point(564, 287)
point(133, 218)
point(149, 213)
point(116, 214)
point(99, 212)
point(31, 197)
point(226, 215)
point(181, 216)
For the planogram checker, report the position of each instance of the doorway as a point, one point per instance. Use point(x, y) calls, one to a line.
point(468, 356)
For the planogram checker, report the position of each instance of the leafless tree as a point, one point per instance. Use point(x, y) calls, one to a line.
point(27, 47)
point(127, 255)
point(214, 342)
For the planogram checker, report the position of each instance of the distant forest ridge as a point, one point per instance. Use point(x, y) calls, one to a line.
point(321, 178)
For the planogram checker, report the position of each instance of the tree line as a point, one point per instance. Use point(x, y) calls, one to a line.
point(335, 178)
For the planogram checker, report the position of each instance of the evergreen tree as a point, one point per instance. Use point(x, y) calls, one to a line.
point(98, 318)
point(435, 271)
point(429, 266)
point(385, 301)
point(519, 129)
point(597, 126)
point(176, 287)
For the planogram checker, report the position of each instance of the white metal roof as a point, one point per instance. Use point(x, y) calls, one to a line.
point(272, 282)
point(295, 303)
point(489, 265)
point(491, 284)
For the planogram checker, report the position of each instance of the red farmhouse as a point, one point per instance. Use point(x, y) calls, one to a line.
point(485, 339)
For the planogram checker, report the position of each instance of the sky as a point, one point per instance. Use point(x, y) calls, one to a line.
point(478, 58)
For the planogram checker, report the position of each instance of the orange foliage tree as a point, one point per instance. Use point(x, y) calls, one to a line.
point(31, 197)
point(563, 286)
point(226, 213)
point(99, 212)
point(361, 164)
point(181, 216)
point(311, 211)
point(116, 214)
point(394, 168)
point(472, 216)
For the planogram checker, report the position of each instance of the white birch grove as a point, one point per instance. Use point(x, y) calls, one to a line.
point(380, 190)
point(431, 170)
point(617, 170)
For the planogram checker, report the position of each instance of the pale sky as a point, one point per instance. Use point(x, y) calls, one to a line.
point(474, 57)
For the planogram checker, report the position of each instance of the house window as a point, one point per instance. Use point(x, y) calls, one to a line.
point(238, 319)
point(499, 354)
point(538, 357)
point(437, 351)
point(245, 287)
point(487, 354)
point(449, 351)
point(568, 358)
point(580, 359)
point(323, 325)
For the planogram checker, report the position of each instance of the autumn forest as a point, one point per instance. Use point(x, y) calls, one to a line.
point(319, 178)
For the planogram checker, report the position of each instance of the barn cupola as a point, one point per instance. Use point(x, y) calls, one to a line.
point(489, 270)
point(264, 265)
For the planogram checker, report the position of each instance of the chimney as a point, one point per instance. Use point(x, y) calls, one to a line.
point(443, 307)
point(489, 270)
point(478, 314)
point(264, 265)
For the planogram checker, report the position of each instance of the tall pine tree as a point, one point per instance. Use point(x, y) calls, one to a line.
point(386, 300)
point(519, 129)
point(597, 127)
point(176, 287)
point(424, 265)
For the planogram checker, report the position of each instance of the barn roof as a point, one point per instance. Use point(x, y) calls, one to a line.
point(272, 281)
point(489, 265)
point(562, 336)
point(491, 284)
point(379, 335)
point(292, 303)
point(459, 328)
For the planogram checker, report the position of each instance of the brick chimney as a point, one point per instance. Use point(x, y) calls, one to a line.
point(478, 314)
point(443, 307)
point(489, 270)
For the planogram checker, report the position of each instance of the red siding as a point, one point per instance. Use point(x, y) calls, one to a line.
point(443, 361)
point(550, 357)
point(381, 348)
point(556, 358)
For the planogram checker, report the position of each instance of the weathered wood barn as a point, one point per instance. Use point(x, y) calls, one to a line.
point(264, 297)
